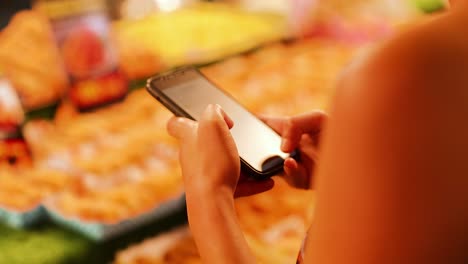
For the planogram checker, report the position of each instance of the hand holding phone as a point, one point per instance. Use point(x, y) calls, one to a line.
point(301, 132)
point(209, 157)
point(186, 92)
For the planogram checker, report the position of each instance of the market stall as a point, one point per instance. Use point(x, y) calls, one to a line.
point(88, 173)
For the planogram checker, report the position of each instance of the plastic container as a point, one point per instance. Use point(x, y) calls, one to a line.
point(21, 219)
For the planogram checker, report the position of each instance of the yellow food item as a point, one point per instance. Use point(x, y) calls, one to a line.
point(197, 34)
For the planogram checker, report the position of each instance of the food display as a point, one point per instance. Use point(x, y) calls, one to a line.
point(283, 78)
point(115, 163)
point(280, 79)
point(119, 162)
point(24, 189)
point(123, 160)
point(124, 149)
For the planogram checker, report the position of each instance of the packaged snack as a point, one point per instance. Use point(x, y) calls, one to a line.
point(82, 33)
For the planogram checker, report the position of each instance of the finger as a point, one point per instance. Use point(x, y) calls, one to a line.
point(295, 127)
point(214, 120)
point(276, 123)
point(309, 123)
point(214, 135)
point(180, 127)
point(291, 163)
point(227, 119)
point(295, 175)
point(251, 187)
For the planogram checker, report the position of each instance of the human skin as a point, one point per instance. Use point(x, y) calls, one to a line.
point(391, 188)
point(391, 181)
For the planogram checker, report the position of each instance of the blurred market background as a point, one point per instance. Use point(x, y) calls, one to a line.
point(87, 171)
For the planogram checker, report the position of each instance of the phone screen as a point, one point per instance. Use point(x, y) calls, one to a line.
point(257, 143)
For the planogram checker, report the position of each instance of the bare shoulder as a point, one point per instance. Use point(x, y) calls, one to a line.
point(394, 154)
point(430, 59)
point(413, 90)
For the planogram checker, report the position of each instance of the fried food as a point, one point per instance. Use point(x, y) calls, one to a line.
point(23, 189)
point(123, 161)
point(31, 60)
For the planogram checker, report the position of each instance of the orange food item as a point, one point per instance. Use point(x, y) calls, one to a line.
point(14, 152)
point(118, 203)
point(122, 161)
point(34, 70)
point(283, 79)
point(24, 189)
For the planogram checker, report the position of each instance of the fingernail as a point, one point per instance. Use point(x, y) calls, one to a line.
point(290, 163)
point(217, 109)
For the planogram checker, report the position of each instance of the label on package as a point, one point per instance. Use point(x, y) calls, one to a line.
point(90, 58)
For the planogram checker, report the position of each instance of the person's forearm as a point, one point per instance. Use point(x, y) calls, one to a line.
point(214, 225)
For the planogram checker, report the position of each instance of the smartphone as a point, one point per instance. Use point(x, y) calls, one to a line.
point(186, 92)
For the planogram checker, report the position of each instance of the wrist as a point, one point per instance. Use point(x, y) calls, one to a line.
point(200, 193)
point(204, 200)
point(214, 226)
point(204, 188)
